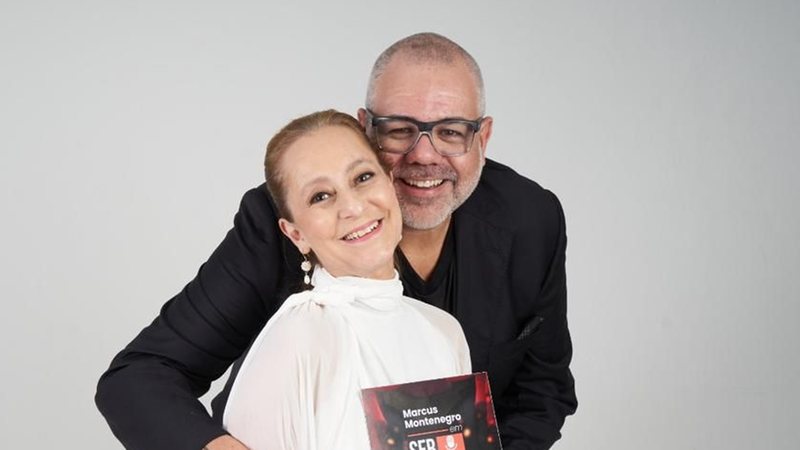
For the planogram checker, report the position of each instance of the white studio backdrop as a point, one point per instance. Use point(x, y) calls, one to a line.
point(669, 129)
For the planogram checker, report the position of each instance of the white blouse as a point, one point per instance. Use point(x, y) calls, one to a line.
point(299, 385)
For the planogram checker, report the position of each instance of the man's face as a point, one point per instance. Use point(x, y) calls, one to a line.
point(430, 186)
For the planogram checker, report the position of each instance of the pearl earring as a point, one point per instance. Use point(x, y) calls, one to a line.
point(305, 266)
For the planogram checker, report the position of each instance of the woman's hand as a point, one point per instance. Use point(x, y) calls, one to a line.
point(225, 442)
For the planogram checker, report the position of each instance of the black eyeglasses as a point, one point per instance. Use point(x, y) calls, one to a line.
point(400, 134)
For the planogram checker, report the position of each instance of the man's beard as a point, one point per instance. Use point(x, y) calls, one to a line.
point(426, 214)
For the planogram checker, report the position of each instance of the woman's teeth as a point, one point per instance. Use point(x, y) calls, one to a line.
point(361, 233)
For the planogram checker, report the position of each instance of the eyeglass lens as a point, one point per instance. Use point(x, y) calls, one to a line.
point(448, 138)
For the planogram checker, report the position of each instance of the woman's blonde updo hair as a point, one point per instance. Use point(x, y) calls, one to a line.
point(289, 134)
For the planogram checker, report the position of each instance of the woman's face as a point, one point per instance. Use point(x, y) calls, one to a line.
point(343, 205)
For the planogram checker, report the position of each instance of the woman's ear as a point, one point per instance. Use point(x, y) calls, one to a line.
point(294, 234)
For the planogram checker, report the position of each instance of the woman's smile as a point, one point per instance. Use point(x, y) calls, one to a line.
point(364, 233)
point(342, 203)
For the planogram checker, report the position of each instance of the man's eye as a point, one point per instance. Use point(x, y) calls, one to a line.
point(451, 133)
point(319, 197)
point(364, 177)
point(399, 132)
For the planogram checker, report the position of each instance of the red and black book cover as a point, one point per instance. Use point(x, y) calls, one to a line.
point(453, 413)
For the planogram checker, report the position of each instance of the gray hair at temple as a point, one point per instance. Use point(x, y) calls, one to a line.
point(430, 48)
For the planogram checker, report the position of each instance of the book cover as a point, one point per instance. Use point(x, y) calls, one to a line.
point(454, 413)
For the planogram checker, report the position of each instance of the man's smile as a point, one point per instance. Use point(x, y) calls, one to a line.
point(424, 184)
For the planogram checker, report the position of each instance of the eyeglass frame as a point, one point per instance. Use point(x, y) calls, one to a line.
point(425, 128)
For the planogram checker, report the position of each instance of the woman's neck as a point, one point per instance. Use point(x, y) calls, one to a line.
point(386, 272)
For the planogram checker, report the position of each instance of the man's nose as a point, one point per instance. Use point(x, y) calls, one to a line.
point(423, 152)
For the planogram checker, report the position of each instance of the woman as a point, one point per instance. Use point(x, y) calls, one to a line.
point(299, 386)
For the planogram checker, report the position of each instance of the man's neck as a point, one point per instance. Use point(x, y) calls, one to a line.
point(423, 247)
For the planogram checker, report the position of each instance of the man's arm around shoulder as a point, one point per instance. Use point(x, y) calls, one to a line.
point(149, 394)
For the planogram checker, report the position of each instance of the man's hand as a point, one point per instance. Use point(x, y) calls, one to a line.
point(225, 442)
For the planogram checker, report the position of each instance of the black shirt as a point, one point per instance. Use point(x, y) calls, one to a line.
point(440, 290)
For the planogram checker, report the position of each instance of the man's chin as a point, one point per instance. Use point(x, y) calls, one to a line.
point(424, 218)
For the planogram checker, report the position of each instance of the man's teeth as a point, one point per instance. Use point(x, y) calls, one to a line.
point(424, 183)
point(361, 233)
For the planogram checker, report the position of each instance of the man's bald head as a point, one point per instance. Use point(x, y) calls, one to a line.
point(427, 49)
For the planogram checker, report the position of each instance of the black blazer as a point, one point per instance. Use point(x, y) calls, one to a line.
point(510, 250)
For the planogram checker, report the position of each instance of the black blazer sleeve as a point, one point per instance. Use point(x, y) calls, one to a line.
point(149, 393)
point(542, 391)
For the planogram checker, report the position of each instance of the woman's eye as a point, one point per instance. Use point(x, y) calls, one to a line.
point(319, 197)
point(364, 177)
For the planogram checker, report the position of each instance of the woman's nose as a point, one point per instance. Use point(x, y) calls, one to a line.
point(350, 204)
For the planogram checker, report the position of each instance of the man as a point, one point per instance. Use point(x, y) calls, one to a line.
point(479, 241)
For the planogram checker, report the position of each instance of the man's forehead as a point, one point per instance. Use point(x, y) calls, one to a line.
point(430, 111)
point(426, 91)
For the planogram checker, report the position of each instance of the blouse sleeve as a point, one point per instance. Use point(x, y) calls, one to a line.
point(463, 353)
point(273, 401)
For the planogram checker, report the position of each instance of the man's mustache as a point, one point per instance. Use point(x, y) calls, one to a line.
point(425, 172)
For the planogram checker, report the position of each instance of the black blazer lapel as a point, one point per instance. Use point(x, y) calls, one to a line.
point(482, 268)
